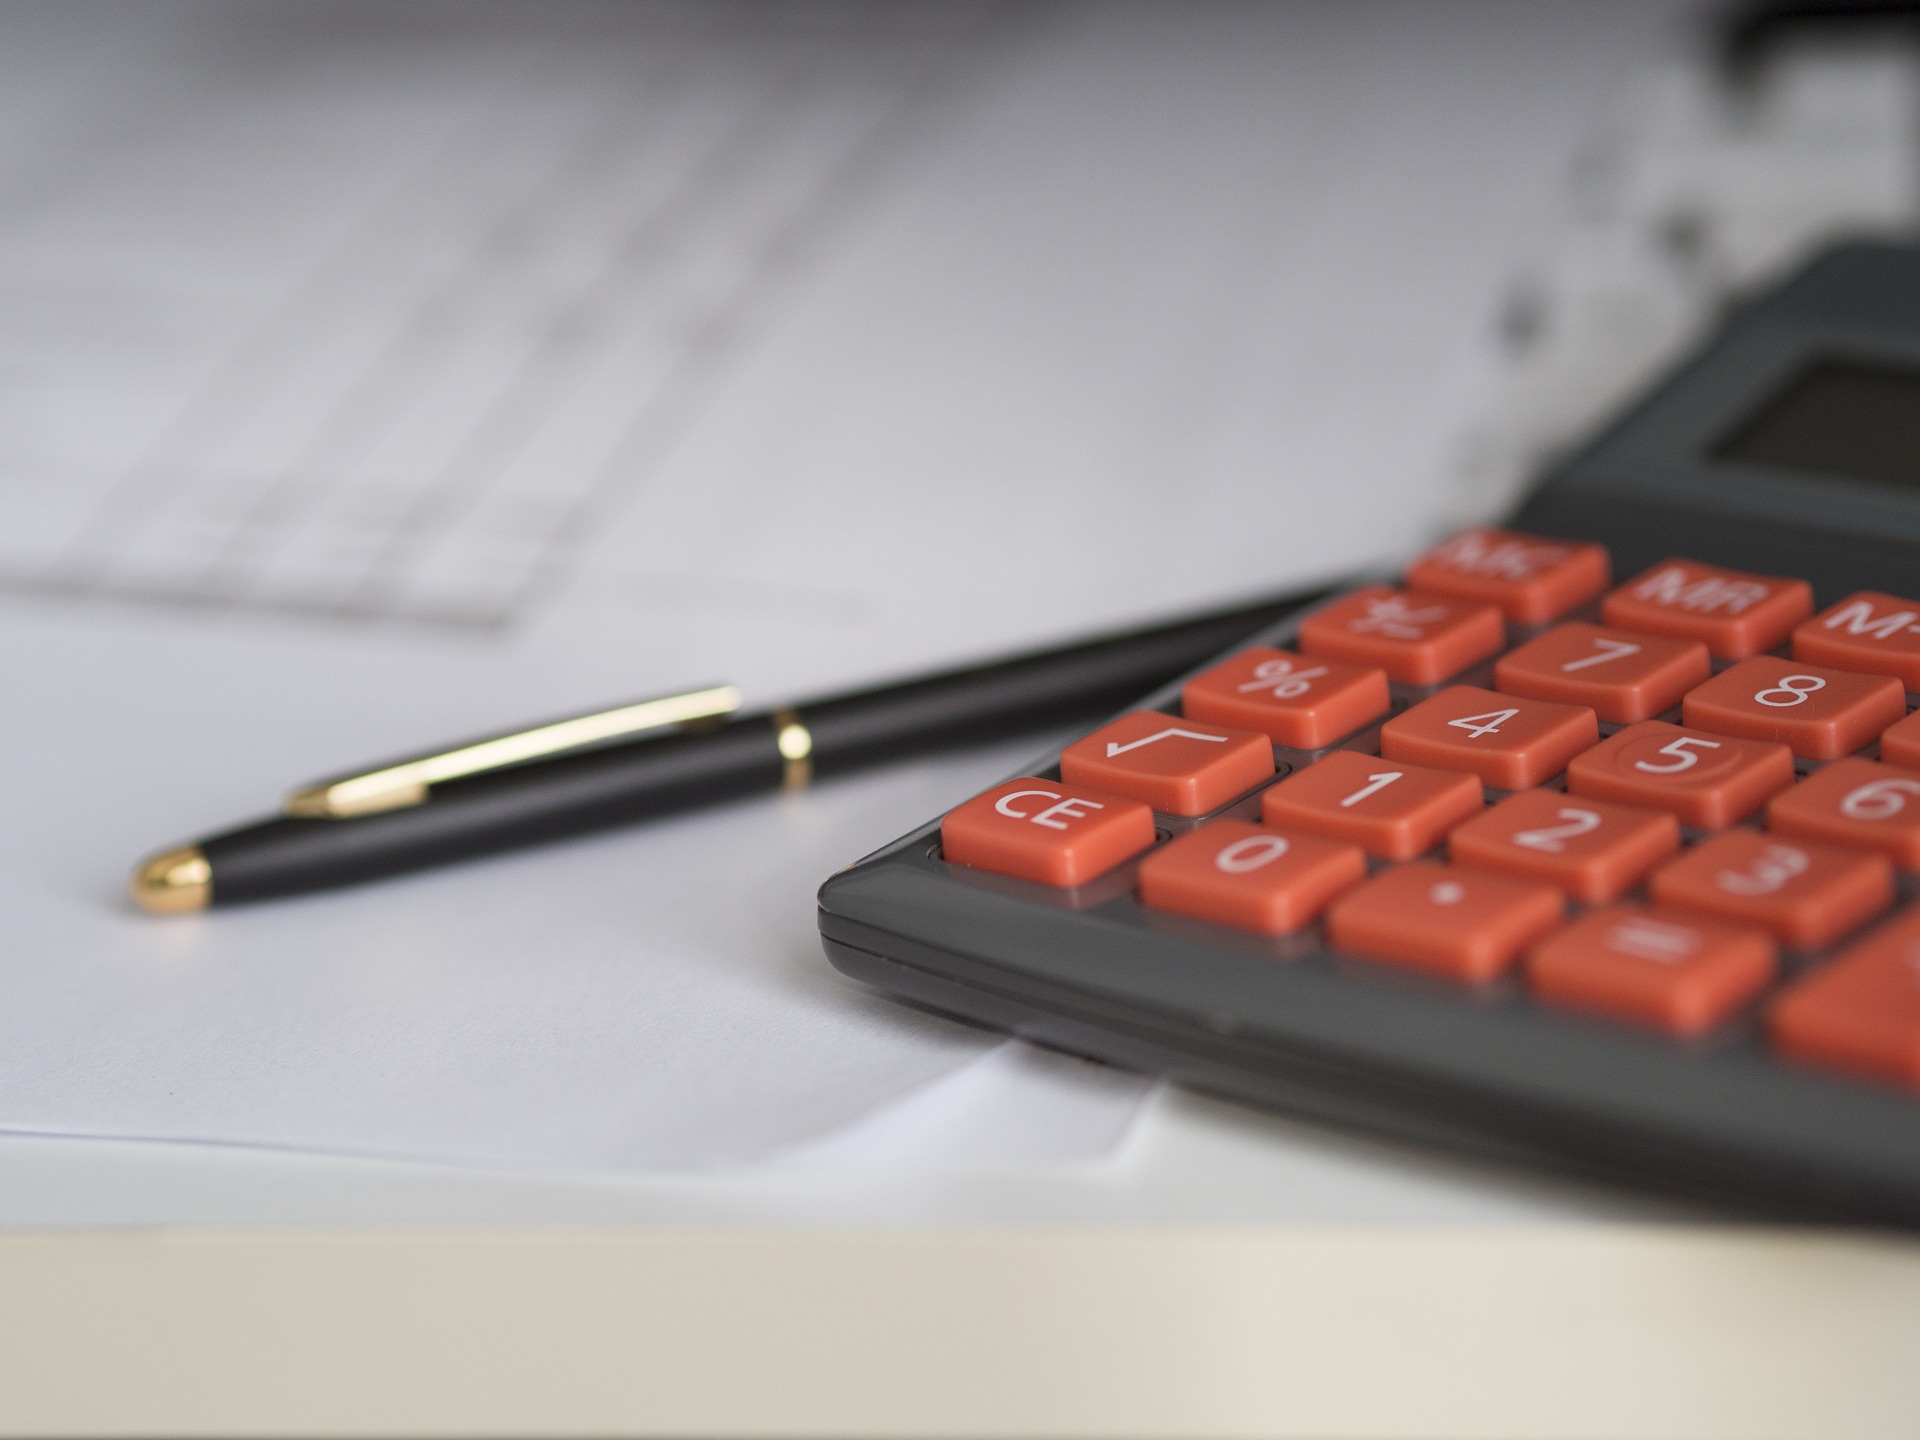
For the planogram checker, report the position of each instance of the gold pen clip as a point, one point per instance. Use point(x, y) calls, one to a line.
point(396, 786)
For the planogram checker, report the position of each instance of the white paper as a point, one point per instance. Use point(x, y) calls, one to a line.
point(377, 377)
point(1016, 1109)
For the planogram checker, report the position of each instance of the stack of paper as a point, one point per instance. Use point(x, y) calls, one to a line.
point(379, 377)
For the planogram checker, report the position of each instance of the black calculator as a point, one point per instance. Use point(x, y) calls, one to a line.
point(1591, 839)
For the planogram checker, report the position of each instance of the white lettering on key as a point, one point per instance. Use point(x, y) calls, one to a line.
point(1487, 724)
point(1250, 853)
point(1795, 687)
point(1650, 939)
point(1859, 619)
point(1682, 752)
point(1113, 748)
point(1376, 783)
point(1509, 559)
point(1553, 838)
point(1447, 892)
point(1609, 650)
point(1005, 803)
point(1282, 679)
point(1390, 616)
point(1065, 807)
point(1771, 869)
point(1672, 587)
point(1878, 799)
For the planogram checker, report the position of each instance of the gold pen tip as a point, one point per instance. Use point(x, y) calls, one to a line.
point(174, 882)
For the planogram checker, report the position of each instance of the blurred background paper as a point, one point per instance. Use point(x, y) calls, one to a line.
point(371, 376)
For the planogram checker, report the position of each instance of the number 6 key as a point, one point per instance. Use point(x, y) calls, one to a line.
point(1855, 802)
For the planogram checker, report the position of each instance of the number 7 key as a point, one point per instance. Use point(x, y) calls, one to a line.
point(1621, 675)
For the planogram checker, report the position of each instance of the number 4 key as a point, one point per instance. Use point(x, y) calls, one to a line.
point(1507, 742)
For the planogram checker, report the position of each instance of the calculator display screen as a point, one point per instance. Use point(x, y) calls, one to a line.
point(1856, 420)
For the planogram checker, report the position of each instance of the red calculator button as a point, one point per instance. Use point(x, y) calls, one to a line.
point(1293, 700)
point(1530, 579)
point(1707, 780)
point(1806, 893)
point(1734, 614)
point(1460, 924)
point(1508, 743)
point(1868, 631)
point(1855, 802)
point(1861, 1013)
point(1179, 766)
point(1233, 873)
point(1388, 808)
point(1669, 972)
point(1044, 831)
point(1594, 851)
point(1819, 713)
point(1900, 742)
point(1414, 635)
point(1619, 674)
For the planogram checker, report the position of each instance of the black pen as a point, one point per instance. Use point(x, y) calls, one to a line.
point(611, 767)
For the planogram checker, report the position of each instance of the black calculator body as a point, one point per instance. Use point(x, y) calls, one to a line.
point(1632, 1022)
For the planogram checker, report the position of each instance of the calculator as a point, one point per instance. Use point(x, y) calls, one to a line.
point(1591, 839)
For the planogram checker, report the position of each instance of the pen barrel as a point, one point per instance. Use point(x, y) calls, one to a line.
point(706, 763)
point(1015, 697)
point(502, 810)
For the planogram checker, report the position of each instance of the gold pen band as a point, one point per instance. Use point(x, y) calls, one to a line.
point(392, 787)
point(796, 749)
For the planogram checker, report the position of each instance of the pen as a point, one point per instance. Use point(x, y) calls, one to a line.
point(611, 767)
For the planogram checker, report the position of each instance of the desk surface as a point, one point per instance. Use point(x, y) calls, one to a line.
point(1189, 1160)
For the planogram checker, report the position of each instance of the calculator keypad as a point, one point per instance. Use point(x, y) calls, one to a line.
point(1330, 780)
point(1395, 811)
point(1417, 637)
point(1509, 743)
point(1619, 675)
point(1859, 1014)
point(1659, 969)
point(1593, 850)
point(1180, 767)
point(1709, 781)
point(1046, 832)
point(1855, 802)
point(1249, 877)
point(1532, 580)
point(1820, 714)
point(1294, 701)
point(1869, 632)
point(1900, 742)
point(1807, 894)
point(1458, 924)
point(1732, 613)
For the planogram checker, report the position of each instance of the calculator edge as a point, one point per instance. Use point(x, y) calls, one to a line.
point(1005, 955)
